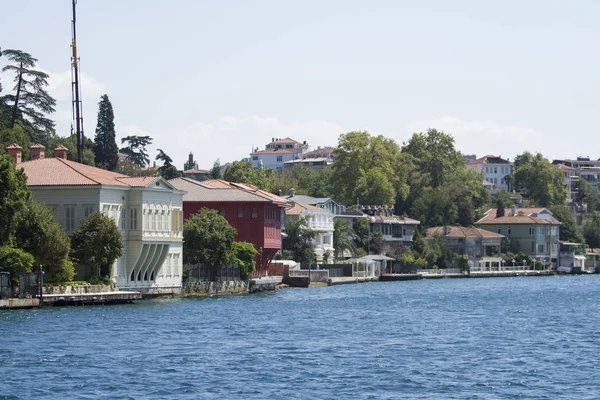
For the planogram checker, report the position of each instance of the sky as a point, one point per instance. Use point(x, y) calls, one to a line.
point(219, 78)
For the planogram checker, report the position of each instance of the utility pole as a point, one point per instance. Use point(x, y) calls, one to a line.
point(75, 92)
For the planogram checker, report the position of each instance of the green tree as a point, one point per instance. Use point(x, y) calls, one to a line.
point(15, 261)
point(30, 100)
point(215, 171)
point(499, 208)
point(208, 239)
point(244, 257)
point(362, 232)
point(299, 240)
point(70, 142)
point(593, 202)
point(242, 172)
point(344, 238)
point(13, 197)
point(542, 182)
point(39, 234)
point(569, 231)
point(434, 154)
point(136, 149)
point(368, 169)
point(167, 170)
point(106, 151)
point(591, 231)
point(434, 208)
point(97, 243)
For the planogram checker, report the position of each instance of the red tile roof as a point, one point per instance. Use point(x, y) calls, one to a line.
point(200, 191)
point(219, 183)
point(461, 232)
point(276, 151)
point(299, 208)
point(285, 140)
point(394, 219)
point(196, 171)
point(523, 216)
point(484, 160)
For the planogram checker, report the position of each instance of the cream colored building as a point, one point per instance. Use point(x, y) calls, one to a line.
point(147, 211)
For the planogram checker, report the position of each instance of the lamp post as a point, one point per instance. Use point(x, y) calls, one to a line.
point(513, 261)
point(40, 283)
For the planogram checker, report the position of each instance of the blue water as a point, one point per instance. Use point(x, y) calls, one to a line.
point(524, 337)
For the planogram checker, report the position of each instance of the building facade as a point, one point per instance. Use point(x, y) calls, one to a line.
point(497, 172)
point(147, 210)
point(256, 215)
point(533, 231)
point(277, 153)
point(320, 220)
point(395, 229)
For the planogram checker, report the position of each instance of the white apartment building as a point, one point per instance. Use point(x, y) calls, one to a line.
point(495, 170)
point(320, 220)
point(147, 210)
point(277, 153)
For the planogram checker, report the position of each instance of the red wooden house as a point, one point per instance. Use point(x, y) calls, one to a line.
point(255, 214)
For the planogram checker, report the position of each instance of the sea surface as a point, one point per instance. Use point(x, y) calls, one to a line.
point(494, 338)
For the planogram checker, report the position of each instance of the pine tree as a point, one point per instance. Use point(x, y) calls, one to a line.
point(105, 143)
point(30, 101)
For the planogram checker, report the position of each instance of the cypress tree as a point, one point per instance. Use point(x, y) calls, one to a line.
point(105, 143)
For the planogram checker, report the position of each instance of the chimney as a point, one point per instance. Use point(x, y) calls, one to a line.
point(191, 159)
point(61, 152)
point(292, 192)
point(37, 151)
point(514, 211)
point(16, 152)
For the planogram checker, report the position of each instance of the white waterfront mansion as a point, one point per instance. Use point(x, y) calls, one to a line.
point(147, 211)
point(320, 220)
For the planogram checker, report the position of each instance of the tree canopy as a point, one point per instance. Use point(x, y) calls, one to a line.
point(97, 243)
point(208, 239)
point(14, 195)
point(136, 149)
point(542, 182)
point(106, 150)
point(299, 241)
point(167, 170)
point(30, 99)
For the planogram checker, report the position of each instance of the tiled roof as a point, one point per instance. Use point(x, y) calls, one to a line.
point(484, 160)
point(196, 171)
point(276, 151)
point(13, 146)
point(522, 216)
point(300, 208)
point(323, 152)
point(219, 183)
point(137, 181)
point(198, 191)
point(394, 219)
point(285, 140)
point(58, 171)
point(462, 232)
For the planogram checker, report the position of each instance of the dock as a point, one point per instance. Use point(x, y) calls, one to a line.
point(347, 280)
point(400, 277)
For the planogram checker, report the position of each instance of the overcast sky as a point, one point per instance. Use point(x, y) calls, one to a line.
point(221, 77)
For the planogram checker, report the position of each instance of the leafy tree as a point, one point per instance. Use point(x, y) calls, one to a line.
point(503, 197)
point(542, 182)
point(306, 181)
point(242, 172)
point(344, 238)
point(15, 261)
point(167, 170)
point(593, 202)
point(499, 208)
point(208, 239)
point(584, 190)
point(215, 171)
point(106, 150)
point(31, 100)
point(437, 253)
point(434, 208)
point(39, 234)
point(299, 240)
point(136, 149)
point(244, 257)
point(377, 243)
point(70, 142)
point(435, 155)
point(362, 232)
point(13, 197)
point(97, 243)
point(569, 231)
point(368, 169)
point(591, 231)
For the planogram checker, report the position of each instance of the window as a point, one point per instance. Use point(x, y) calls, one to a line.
point(222, 211)
point(279, 158)
point(509, 230)
point(532, 247)
point(123, 217)
point(495, 170)
point(254, 158)
point(105, 209)
point(499, 230)
point(70, 217)
point(540, 248)
point(87, 210)
point(531, 232)
point(163, 221)
point(254, 212)
point(145, 219)
point(133, 219)
point(240, 213)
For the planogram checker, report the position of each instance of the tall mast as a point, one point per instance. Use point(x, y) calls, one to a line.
point(75, 92)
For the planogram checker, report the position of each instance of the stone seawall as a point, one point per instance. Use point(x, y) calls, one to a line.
point(214, 288)
point(77, 289)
